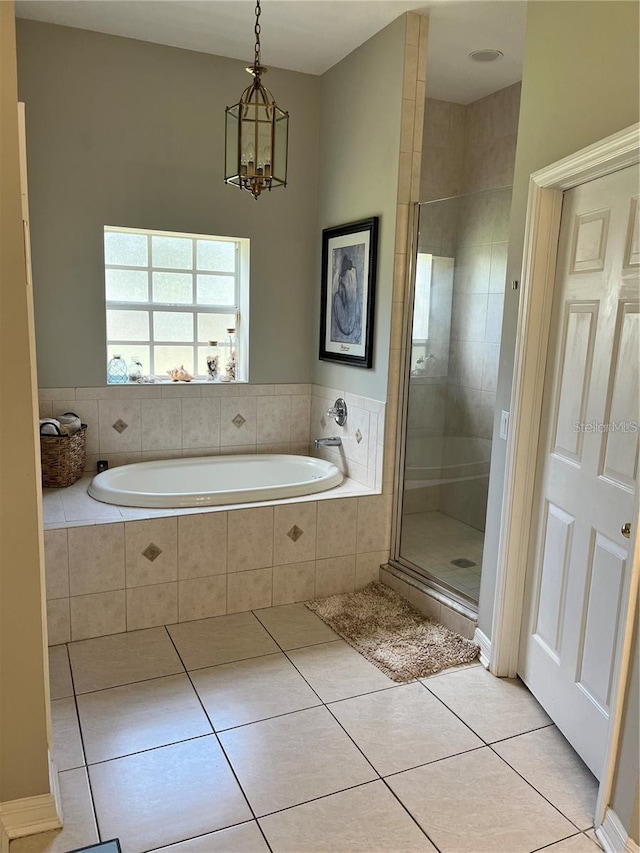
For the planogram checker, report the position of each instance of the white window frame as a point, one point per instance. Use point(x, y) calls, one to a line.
point(240, 308)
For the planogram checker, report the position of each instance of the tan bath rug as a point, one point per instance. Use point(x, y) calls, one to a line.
point(392, 634)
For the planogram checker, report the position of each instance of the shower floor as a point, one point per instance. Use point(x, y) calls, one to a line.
point(431, 540)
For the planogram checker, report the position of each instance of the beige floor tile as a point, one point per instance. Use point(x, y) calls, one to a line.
point(402, 728)
point(590, 833)
point(60, 683)
point(548, 762)
point(576, 844)
point(129, 719)
point(165, 795)
point(475, 803)
point(337, 671)
point(495, 708)
point(222, 639)
point(251, 690)
point(67, 744)
point(364, 819)
point(122, 659)
point(288, 760)
point(79, 822)
point(245, 838)
point(294, 625)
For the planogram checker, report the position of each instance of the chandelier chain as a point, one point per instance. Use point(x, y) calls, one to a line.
point(257, 30)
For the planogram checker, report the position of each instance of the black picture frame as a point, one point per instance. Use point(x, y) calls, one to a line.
point(347, 292)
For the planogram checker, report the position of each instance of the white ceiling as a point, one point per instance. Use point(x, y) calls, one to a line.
point(312, 35)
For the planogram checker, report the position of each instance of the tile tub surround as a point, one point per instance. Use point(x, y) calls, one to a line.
point(123, 575)
point(138, 423)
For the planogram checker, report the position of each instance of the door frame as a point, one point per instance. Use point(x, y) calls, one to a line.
point(542, 230)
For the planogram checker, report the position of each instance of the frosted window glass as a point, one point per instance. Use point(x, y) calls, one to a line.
point(172, 326)
point(173, 287)
point(166, 358)
point(127, 250)
point(172, 252)
point(129, 352)
point(127, 285)
point(216, 290)
point(127, 325)
point(216, 256)
point(213, 327)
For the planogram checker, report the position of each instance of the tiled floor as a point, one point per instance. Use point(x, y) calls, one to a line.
point(432, 540)
point(264, 731)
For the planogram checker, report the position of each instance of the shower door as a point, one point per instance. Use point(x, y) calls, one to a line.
point(455, 324)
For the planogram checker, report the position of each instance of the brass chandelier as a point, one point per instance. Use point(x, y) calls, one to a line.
point(256, 134)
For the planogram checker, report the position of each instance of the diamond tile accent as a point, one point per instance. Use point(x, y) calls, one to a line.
point(359, 436)
point(238, 421)
point(295, 533)
point(323, 422)
point(120, 425)
point(152, 552)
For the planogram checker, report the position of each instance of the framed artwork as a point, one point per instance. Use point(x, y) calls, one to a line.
point(349, 260)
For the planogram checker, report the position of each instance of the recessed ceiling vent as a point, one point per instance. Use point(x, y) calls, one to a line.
point(486, 55)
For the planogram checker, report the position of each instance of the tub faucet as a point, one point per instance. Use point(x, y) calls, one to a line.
point(334, 441)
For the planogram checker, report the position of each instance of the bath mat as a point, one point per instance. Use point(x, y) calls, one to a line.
point(391, 634)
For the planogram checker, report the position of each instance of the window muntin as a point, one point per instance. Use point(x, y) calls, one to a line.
point(169, 294)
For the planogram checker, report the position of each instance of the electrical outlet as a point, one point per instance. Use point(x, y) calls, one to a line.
point(504, 425)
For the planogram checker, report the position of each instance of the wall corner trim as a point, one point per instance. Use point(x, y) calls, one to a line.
point(31, 815)
point(485, 647)
point(613, 836)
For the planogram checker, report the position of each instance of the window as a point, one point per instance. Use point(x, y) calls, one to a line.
point(169, 294)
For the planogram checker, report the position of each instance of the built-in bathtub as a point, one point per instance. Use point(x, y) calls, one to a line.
point(434, 461)
point(214, 481)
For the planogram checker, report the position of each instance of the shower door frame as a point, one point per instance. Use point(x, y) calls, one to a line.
point(411, 572)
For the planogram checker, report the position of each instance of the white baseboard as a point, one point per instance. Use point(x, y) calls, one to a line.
point(31, 815)
point(613, 836)
point(485, 647)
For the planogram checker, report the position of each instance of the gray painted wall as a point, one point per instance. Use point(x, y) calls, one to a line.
point(123, 132)
point(361, 103)
point(580, 84)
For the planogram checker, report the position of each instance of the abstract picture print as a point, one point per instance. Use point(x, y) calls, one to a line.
point(348, 292)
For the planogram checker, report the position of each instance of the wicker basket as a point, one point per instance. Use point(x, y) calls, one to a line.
point(63, 458)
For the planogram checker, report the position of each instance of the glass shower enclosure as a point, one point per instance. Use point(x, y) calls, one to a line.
point(453, 341)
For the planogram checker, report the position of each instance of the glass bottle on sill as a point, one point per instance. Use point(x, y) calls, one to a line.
point(231, 366)
point(213, 361)
point(117, 373)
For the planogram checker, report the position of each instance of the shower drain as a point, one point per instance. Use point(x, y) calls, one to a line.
point(462, 563)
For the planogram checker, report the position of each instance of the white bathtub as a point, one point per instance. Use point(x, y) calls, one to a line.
point(214, 480)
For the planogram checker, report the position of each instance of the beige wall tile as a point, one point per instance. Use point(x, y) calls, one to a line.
point(250, 534)
point(199, 598)
point(291, 545)
point(300, 418)
point(97, 615)
point(202, 545)
point(274, 419)
point(368, 567)
point(139, 535)
point(56, 562)
point(153, 605)
point(335, 575)
point(58, 621)
point(96, 558)
point(112, 411)
point(161, 424)
point(374, 523)
point(201, 422)
point(240, 433)
point(294, 582)
point(249, 590)
point(336, 527)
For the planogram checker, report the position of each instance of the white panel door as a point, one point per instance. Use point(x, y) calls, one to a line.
point(586, 489)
